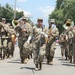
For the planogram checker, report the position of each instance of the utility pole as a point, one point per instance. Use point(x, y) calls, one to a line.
point(15, 9)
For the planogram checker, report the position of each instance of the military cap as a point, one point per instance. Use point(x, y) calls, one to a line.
point(52, 21)
point(25, 18)
point(3, 19)
point(39, 19)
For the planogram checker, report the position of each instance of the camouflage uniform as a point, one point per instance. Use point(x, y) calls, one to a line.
point(62, 39)
point(70, 41)
point(11, 43)
point(68, 26)
point(74, 45)
point(5, 29)
point(38, 45)
point(50, 47)
point(22, 38)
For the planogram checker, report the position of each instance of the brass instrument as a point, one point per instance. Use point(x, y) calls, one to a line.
point(18, 22)
point(69, 23)
point(12, 36)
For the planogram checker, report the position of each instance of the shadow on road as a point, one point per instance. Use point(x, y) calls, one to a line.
point(17, 62)
point(62, 59)
point(14, 61)
point(69, 65)
point(66, 62)
point(29, 68)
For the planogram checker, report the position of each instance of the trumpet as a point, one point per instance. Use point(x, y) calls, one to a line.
point(15, 23)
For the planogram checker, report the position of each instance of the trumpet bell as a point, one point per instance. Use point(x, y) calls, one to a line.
point(14, 23)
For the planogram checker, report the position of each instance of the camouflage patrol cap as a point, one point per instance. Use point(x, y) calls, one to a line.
point(25, 18)
point(3, 19)
point(52, 21)
point(39, 19)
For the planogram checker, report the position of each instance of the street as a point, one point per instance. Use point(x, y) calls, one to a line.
point(14, 67)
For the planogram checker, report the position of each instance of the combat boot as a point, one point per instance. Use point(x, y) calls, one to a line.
point(22, 60)
point(36, 67)
point(51, 60)
point(25, 61)
point(51, 63)
point(40, 66)
point(70, 59)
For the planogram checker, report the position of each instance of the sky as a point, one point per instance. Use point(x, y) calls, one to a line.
point(33, 8)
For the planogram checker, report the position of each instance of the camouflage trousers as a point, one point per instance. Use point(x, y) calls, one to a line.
point(10, 47)
point(74, 53)
point(38, 52)
point(62, 48)
point(3, 47)
point(50, 49)
point(21, 41)
point(70, 50)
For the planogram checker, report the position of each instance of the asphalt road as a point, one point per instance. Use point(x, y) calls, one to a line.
point(14, 67)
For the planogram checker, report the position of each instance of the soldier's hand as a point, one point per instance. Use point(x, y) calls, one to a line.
point(27, 42)
point(24, 30)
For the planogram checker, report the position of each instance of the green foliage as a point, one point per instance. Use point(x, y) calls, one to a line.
point(8, 13)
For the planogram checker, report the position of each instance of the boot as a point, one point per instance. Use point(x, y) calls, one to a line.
point(66, 57)
point(70, 59)
point(36, 67)
point(40, 65)
point(51, 63)
point(25, 60)
point(22, 60)
point(48, 60)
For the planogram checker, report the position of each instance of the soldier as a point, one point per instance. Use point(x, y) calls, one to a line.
point(3, 40)
point(4, 29)
point(25, 32)
point(50, 46)
point(62, 40)
point(38, 43)
point(11, 42)
point(74, 45)
point(68, 26)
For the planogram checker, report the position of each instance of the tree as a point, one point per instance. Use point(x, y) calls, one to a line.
point(8, 13)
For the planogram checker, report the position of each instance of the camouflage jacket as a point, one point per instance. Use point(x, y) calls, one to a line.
point(37, 33)
point(6, 29)
point(23, 35)
point(52, 33)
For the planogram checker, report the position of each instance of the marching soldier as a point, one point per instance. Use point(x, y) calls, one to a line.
point(25, 32)
point(11, 42)
point(68, 26)
point(62, 40)
point(74, 45)
point(4, 30)
point(39, 43)
point(50, 46)
point(3, 40)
